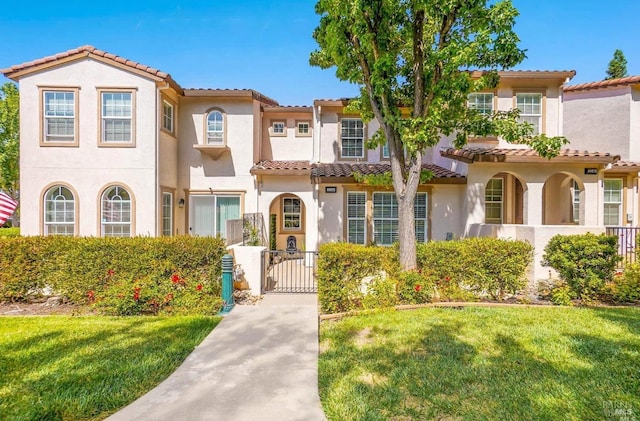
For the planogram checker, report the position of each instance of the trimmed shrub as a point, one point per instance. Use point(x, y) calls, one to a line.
point(10, 232)
point(352, 277)
point(483, 266)
point(624, 286)
point(585, 261)
point(91, 269)
point(341, 270)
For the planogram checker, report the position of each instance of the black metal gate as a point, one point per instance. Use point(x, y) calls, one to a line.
point(626, 243)
point(289, 271)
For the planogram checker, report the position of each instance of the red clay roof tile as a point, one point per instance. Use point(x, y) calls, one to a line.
point(471, 154)
point(602, 84)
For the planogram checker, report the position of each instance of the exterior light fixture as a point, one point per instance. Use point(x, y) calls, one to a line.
point(181, 203)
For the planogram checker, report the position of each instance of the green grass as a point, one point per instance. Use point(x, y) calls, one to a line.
point(76, 368)
point(482, 364)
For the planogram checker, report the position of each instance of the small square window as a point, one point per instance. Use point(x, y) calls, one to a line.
point(278, 128)
point(303, 128)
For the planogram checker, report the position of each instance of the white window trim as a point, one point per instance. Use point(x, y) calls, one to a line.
point(302, 134)
point(170, 118)
point(619, 204)
point(354, 219)
point(72, 202)
point(474, 104)
point(531, 115)
point(355, 139)
point(167, 217)
point(102, 118)
point(281, 125)
point(220, 137)
point(44, 137)
point(500, 202)
point(104, 223)
point(284, 214)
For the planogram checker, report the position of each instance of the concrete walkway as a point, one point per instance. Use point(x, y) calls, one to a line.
point(259, 363)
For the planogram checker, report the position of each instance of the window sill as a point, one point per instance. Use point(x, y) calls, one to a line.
point(116, 145)
point(73, 144)
point(212, 151)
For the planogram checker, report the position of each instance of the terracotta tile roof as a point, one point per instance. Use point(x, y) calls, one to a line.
point(626, 164)
point(346, 170)
point(470, 155)
point(624, 167)
point(87, 50)
point(611, 83)
point(231, 93)
point(289, 108)
point(545, 74)
point(282, 167)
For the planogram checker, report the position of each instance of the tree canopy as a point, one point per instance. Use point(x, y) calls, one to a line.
point(617, 66)
point(9, 139)
point(415, 63)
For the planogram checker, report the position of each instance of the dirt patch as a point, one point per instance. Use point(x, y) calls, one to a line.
point(47, 308)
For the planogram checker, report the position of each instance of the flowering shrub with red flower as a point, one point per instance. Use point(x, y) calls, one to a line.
point(414, 287)
point(73, 266)
point(158, 295)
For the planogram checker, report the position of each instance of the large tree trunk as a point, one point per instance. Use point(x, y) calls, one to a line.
point(406, 232)
point(406, 178)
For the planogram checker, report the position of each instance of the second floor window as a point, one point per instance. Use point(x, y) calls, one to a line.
point(215, 128)
point(167, 116)
point(117, 117)
point(530, 106)
point(278, 128)
point(59, 116)
point(481, 102)
point(352, 138)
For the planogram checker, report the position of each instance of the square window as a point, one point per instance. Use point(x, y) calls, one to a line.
point(481, 102)
point(303, 128)
point(278, 128)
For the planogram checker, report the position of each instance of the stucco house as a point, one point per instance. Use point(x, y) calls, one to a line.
point(111, 147)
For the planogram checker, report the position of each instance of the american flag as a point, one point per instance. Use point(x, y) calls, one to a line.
point(7, 206)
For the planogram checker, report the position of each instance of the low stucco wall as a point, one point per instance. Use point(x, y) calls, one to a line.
point(250, 260)
point(538, 236)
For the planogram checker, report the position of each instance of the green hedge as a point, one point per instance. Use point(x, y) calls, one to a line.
point(106, 271)
point(10, 232)
point(464, 270)
point(585, 262)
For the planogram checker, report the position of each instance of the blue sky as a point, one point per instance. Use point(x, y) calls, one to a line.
point(265, 44)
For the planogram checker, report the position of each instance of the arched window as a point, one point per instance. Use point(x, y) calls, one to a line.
point(215, 128)
point(116, 212)
point(59, 211)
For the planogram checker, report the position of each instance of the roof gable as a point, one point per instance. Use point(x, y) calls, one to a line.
point(87, 51)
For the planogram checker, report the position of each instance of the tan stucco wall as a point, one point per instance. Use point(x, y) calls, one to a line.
point(329, 137)
point(533, 177)
point(448, 211)
point(599, 121)
point(198, 172)
point(89, 168)
point(271, 188)
point(289, 147)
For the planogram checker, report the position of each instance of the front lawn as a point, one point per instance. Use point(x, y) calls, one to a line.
point(77, 368)
point(482, 363)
